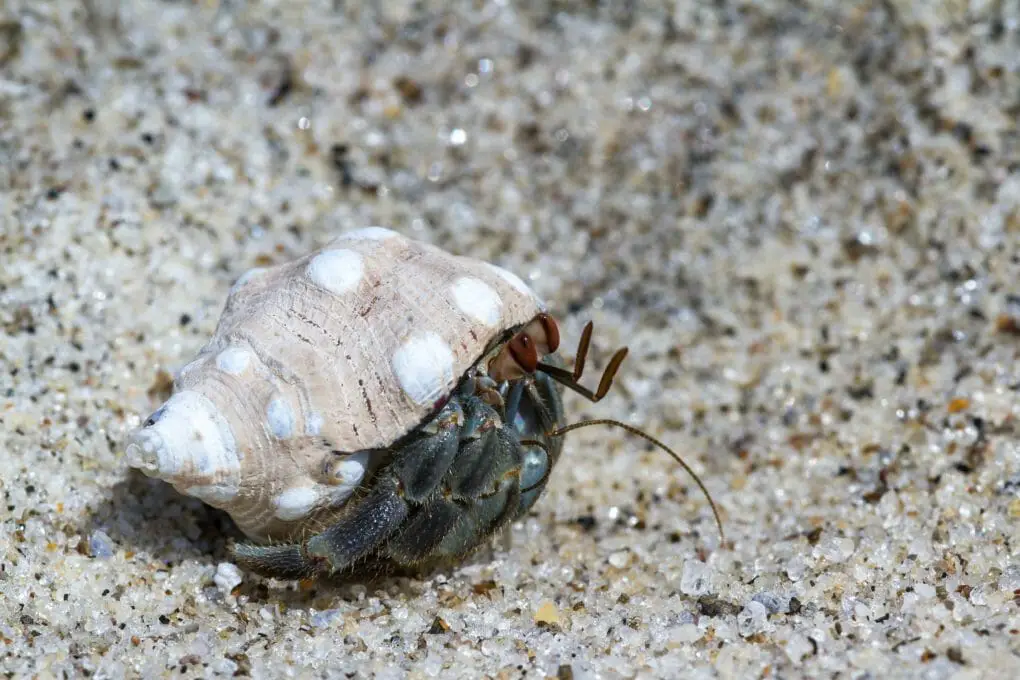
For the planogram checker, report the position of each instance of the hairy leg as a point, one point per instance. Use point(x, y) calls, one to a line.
point(363, 526)
point(278, 561)
point(443, 493)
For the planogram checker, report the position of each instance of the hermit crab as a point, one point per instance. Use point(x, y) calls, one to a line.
point(376, 402)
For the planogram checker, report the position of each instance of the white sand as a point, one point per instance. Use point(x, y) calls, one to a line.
point(803, 218)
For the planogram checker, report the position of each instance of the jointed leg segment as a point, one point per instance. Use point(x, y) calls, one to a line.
point(438, 495)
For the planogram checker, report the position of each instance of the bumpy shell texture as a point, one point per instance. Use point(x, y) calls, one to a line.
point(346, 349)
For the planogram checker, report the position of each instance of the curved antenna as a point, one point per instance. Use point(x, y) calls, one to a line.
point(559, 432)
point(569, 379)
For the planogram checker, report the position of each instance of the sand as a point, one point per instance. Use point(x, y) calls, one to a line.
point(802, 218)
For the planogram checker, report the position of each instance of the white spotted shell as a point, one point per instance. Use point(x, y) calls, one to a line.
point(346, 350)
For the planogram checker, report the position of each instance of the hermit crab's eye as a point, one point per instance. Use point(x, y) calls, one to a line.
point(523, 354)
point(523, 350)
point(544, 334)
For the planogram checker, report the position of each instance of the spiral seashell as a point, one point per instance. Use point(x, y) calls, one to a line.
point(316, 366)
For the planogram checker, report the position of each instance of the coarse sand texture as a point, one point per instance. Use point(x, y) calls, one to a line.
point(803, 219)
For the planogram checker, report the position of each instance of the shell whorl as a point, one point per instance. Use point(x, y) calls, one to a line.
point(317, 362)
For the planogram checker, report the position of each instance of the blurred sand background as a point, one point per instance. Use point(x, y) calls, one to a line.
point(802, 217)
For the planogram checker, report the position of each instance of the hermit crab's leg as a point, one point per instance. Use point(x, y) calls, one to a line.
point(413, 477)
point(421, 464)
point(420, 468)
point(492, 497)
point(353, 536)
point(438, 515)
point(278, 561)
point(420, 535)
point(482, 519)
point(480, 468)
point(415, 472)
point(513, 401)
point(360, 532)
point(477, 415)
point(476, 492)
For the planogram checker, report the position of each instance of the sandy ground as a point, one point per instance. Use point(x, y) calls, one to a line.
point(802, 217)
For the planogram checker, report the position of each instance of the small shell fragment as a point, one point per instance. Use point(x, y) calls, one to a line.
point(227, 577)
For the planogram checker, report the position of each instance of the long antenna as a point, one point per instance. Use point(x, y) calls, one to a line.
point(649, 438)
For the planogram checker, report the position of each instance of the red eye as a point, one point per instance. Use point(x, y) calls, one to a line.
point(522, 349)
point(552, 331)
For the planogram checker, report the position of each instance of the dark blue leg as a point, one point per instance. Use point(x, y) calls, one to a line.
point(476, 413)
point(278, 561)
point(420, 465)
point(513, 402)
point(357, 533)
point(421, 534)
point(444, 493)
point(486, 478)
point(480, 520)
point(482, 462)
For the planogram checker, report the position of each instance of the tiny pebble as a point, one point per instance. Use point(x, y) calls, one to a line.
point(547, 614)
point(752, 619)
point(1014, 508)
point(163, 196)
point(798, 647)
point(1010, 579)
point(227, 577)
point(100, 545)
point(686, 633)
point(225, 667)
point(696, 578)
point(620, 559)
point(325, 618)
point(796, 568)
point(773, 603)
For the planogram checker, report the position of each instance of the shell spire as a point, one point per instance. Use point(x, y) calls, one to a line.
point(188, 438)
